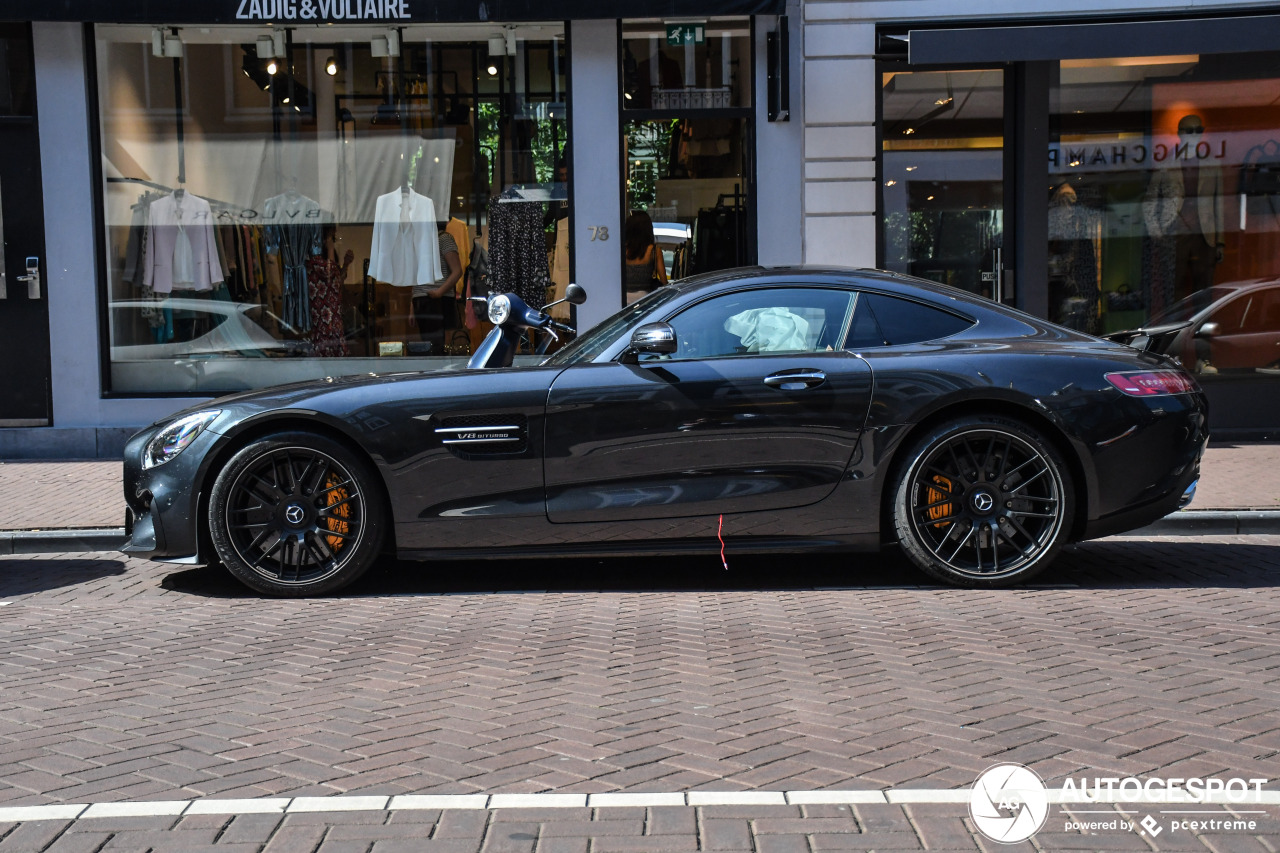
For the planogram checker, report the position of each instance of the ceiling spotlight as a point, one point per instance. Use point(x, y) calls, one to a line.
point(331, 66)
point(284, 101)
point(493, 70)
point(272, 67)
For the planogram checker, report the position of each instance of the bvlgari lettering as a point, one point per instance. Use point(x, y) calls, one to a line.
point(323, 10)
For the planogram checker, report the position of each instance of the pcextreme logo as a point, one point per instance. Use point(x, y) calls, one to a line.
point(1009, 803)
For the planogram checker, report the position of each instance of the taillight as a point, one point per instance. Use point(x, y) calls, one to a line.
point(1152, 384)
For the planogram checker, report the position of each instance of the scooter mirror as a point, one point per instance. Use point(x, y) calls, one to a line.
point(575, 294)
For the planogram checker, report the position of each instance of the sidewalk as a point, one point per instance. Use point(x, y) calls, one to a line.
point(49, 496)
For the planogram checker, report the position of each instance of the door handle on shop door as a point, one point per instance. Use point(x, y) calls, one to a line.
point(32, 278)
point(796, 380)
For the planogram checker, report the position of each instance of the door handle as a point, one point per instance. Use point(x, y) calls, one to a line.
point(796, 380)
point(32, 278)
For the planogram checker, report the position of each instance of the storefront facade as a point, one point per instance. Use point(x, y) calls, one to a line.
point(221, 197)
point(224, 196)
point(1108, 167)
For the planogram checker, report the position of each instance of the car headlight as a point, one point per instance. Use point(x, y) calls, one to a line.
point(499, 309)
point(174, 438)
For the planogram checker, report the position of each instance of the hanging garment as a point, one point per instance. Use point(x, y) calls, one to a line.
point(560, 270)
point(517, 251)
point(405, 250)
point(461, 234)
point(293, 235)
point(180, 242)
point(328, 336)
point(136, 245)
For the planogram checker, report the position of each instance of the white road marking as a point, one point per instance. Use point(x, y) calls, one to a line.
point(139, 809)
point(813, 798)
point(338, 804)
point(537, 801)
point(277, 805)
point(266, 805)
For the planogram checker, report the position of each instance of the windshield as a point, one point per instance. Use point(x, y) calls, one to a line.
point(598, 338)
point(1185, 309)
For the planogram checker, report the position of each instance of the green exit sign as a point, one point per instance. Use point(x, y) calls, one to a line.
point(678, 34)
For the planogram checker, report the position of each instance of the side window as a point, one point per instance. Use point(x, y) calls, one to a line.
point(754, 322)
point(1261, 314)
point(882, 321)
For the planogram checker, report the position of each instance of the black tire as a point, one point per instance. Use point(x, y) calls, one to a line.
point(296, 514)
point(983, 501)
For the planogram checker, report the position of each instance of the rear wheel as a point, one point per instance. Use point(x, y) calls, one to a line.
point(983, 502)
point(296, 514)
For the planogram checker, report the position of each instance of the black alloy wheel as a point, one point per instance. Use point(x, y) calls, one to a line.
point(983, 502)
point(296, 514)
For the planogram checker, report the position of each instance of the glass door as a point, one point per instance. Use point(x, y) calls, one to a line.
point(942, 186)
point(24, 308)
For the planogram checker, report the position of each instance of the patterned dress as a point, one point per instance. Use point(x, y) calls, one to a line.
point(324, 280)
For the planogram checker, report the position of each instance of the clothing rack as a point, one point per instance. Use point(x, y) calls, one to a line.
point(162, 188)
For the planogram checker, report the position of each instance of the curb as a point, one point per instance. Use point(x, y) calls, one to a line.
point(1182, 523)
point(62, 540)
point(1212, 522)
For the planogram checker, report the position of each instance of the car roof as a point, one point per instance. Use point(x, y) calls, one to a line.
point(890, 282)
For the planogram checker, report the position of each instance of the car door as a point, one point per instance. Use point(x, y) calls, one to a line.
point(1247, 337)
point(758, 409)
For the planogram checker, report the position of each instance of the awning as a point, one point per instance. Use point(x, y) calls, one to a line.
point(384, 12)
point(1093, 41)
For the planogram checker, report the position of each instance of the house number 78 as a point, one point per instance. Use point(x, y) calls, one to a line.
point(599, 232)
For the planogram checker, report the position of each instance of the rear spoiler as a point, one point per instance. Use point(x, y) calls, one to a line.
point(1145, 338)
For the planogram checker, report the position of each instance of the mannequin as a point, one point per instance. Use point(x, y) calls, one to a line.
point(1185, 202)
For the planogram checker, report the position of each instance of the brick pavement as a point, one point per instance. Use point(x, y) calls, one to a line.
point(45, 495)
point(125, 680)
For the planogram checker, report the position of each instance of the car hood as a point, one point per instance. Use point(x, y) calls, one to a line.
point(360, 389)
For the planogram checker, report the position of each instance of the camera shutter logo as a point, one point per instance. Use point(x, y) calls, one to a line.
point(1008, 803)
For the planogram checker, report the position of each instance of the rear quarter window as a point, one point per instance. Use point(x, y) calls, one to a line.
point(884, 321)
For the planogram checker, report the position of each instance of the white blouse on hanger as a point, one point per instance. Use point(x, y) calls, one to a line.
point(405, 249)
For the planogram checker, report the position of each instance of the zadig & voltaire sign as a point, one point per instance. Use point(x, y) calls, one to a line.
point(323, 10)
point(298, 13)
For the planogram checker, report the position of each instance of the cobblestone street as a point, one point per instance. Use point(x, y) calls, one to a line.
point(129, 681)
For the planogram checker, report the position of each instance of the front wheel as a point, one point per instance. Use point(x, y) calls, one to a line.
point(983, 502)
point(296, 513)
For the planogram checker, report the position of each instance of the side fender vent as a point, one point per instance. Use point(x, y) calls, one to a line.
point(485, 434)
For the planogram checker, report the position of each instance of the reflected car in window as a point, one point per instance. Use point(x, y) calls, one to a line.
point(1227, 328)
point(789, 410)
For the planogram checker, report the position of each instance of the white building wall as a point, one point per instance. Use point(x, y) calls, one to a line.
point(84, 423)
point(840, 90)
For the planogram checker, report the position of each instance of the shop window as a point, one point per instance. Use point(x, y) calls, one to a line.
point(687, 146)
point(1164, 204)
point(943, 176)
point(277, 201)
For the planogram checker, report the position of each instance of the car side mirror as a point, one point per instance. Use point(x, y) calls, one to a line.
point(655, 338)
point(1207, 330)
point(574, 294)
